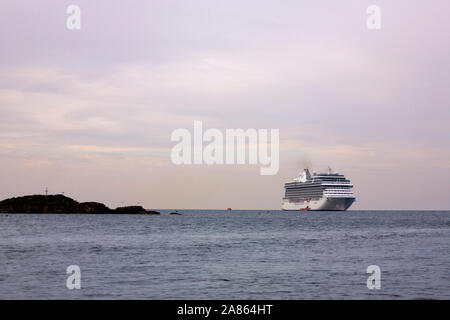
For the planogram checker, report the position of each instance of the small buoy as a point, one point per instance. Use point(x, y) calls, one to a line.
point(229, 209)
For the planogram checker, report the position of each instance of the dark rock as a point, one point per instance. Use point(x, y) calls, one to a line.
point(39, 204)
point(92, 207)
point(62, 204)
point(176, 213)
point(133, 210)
point(152, 212)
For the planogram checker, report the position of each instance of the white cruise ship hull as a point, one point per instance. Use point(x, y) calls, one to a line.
point(323, 204)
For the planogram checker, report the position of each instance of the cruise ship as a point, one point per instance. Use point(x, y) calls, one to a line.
point(329, 191)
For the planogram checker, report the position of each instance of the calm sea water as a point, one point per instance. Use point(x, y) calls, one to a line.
point(227, 255)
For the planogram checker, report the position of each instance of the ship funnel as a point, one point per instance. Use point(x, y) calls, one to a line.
point(307, 174)
point(304, 176)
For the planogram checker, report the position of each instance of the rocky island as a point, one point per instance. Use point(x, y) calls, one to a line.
point(61, 204)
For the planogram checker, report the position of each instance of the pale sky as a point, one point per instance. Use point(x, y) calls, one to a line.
point(90, 112)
